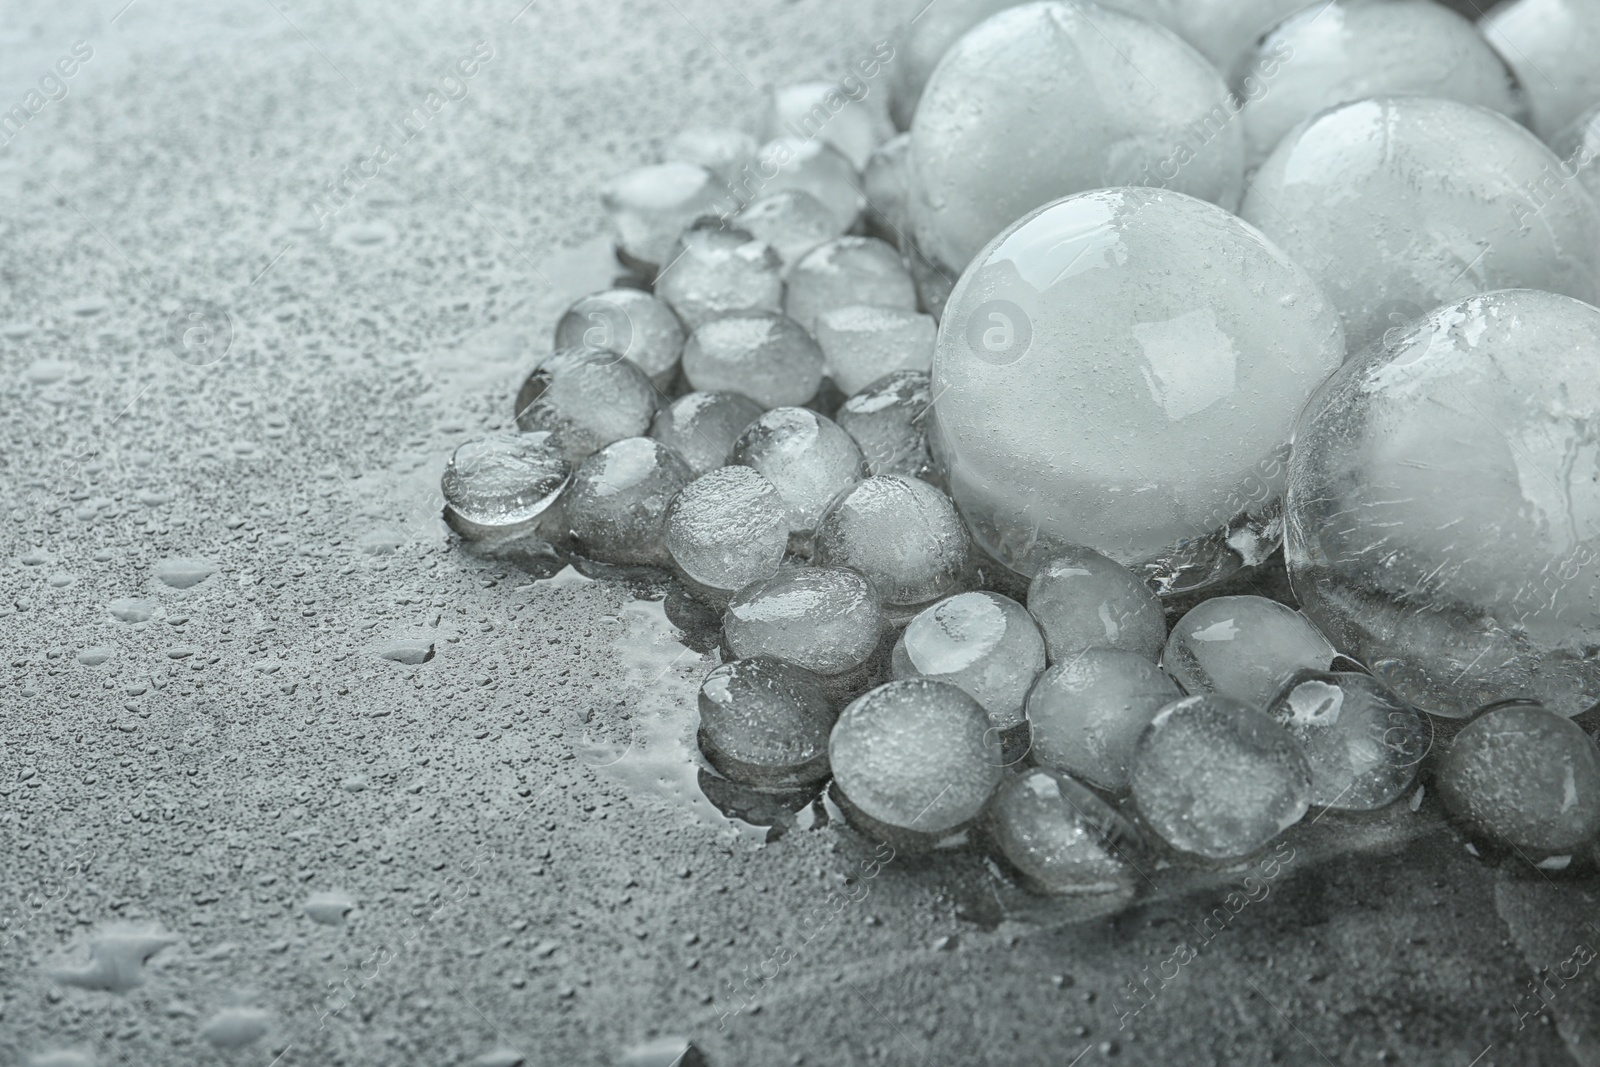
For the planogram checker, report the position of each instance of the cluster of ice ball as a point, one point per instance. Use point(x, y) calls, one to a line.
point(779, 403)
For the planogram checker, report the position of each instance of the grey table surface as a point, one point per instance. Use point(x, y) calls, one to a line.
point(237, 826)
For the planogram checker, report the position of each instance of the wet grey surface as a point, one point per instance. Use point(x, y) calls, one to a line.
point(287, 778)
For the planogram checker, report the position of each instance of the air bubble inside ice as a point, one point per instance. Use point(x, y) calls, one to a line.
point(1362, 741)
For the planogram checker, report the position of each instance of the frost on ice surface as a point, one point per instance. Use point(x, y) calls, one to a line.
point(792, 221)
point(1443, 509)
point(903, 534)
point(1525, 777)
point(1397, 205)
point(1065, 108)
point(1089, 711)
point(983, 643)
point(1085, 600)
point(862, 343)
point(1219, 779)
point(714, 270)
point(826, 619)
point(586, 400)
point(1121, 370)
point(1363, 742)
point(1333, 53)
point(846, 272)
point(887, 420)
point(766, 356)
point(915, 756)
point(1061, 836)
point(502, 484)
point(617, 505)
point(1244, 647)
point(728, 528)
point(651, 206)
point(702, 427)
point(806, 455)
point(765, 723)
point(630, 323)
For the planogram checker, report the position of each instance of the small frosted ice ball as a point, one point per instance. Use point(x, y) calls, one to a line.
point(983, 643)
point(915, 756)
point(765, 723)
point(1525, 777)
point(1244, 647)
point(765, 356)
point(1219, 779)
point(629, 322)
point(702, 427)
point(715, 270)
point(587, 400)
point(1089, 711)
point(1347, 50)
point(1397, 205)
point(1063, 838)
point(1362, 741)
point(826, 619)
point(862, 343)
point(1443, 516)
point(844, 272)
point(651, 206)
point(792, 221)
point(901, 533)
point(1551, 46)
point(617, 505)
point(806, 455)
point(827, 111)
point(723, 150)
point(812, 166)
point(1121, 370)
point(1085, 600)
point(1065, 106)
point(728, 528)
point(502, 484)
point(887, 420)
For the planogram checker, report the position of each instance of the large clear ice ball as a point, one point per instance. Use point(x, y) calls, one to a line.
point(1049, 99)
point(1551, 45)
point(1444, 505)
point(1397, 205)
point(1121, 370)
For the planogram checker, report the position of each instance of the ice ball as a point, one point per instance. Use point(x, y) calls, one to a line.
point(862, 343)
point(1551, 45)
point(1063, 838)
point(825, 111)
point(502, 484)
point(766, 356)
point(1244, 647)
point(1362, 741)
point(1525, 777)
point(702, 427)
point(844, 272)
point(630, 323)
point(728, 528)
point(715, 270)
point(806, 455)
point(586, 400)
point(792, 221)
point(765, 723)
point(984, 644)
point(1085, 600)
point(617, 505)
point(826, 619)
point(812, 166)
point(1121, 370)
point(1399, 204)
point(1049, 99)
point(723, 150)
point(916, 756)
point(1217, 778)
point(1443, 507)
point(651, 206)
point(887, 421)
point(1088, 712)
point(901, 533)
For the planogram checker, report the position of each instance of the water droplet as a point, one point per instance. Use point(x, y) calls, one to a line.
point(365, 236)
point(93, 657)
point(132, 609)
point(235, 1027)
point(408, 650)
point(184, 573)
point(116, 959)
point(329, 908)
